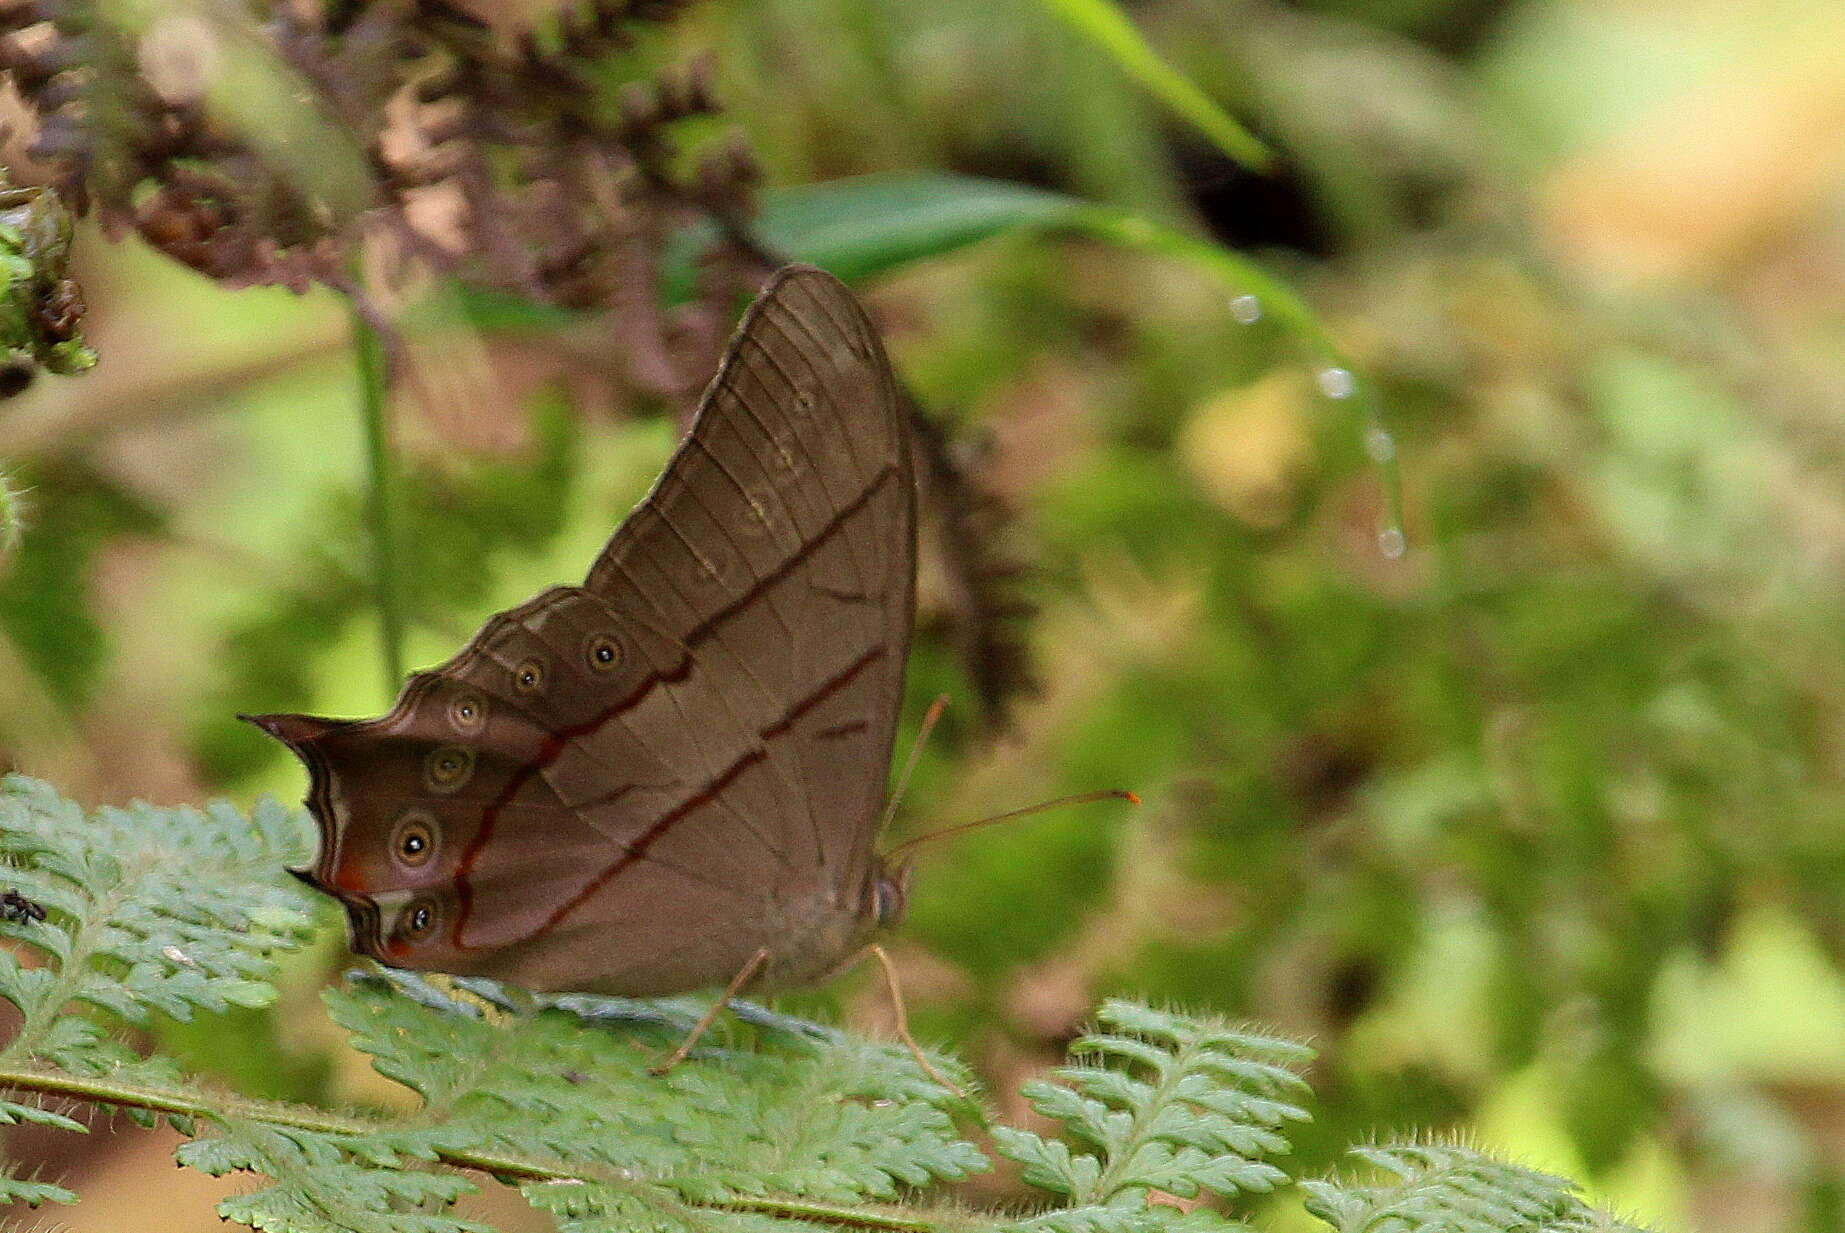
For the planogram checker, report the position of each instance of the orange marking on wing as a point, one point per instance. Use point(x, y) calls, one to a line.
point(350, 876)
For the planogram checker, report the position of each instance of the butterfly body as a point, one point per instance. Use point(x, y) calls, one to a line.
point(637, 785)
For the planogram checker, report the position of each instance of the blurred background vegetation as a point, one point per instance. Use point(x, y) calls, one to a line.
point(1537, 828)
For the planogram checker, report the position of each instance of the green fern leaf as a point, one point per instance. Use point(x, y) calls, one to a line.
point(1446, 1188)
point(582, 1207)
point(32, 1193)
point(12, 1113)
point(328, 1182)
point(147, 910)
point(1128, 1217)
point(144, 910)
point(1049, 1164)
point(1170, 1104)
point(838, 1120)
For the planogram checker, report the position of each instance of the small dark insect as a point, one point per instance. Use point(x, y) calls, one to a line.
point(18, 909)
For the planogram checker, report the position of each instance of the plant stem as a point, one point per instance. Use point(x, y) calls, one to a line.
point(184, 1104)
point(374, 389)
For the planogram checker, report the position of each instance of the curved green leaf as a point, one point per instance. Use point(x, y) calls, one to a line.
point(1103, 23)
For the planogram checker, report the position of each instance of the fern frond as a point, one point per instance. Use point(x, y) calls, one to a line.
point(12, 1113)
point(1127, 1216)
point(835, 1120)
point(573, 1112)
point(129, 912)
point(1168, 1103)
point(1447, 1188)
point(177, 911)
point(585, 1207)
point(328, 1183)
point(147, 910)
point(32, 1193)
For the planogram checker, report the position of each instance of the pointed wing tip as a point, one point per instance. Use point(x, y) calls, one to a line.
point(294, 730)
point(798, 289)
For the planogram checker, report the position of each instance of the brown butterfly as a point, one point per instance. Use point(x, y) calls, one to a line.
point(670, 777)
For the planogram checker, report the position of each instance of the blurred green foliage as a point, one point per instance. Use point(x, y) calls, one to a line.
point(48, 607)
point(39, 306)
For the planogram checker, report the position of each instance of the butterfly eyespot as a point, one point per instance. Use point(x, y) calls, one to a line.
point(603, 653)
point(415, 841)
point(418, 921)
point(447, 768)
point(468, 712)
point(529, 677)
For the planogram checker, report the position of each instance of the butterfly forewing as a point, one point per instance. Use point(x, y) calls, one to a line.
point(779, 550)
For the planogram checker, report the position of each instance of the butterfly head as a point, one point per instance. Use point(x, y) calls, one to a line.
point(890, 893)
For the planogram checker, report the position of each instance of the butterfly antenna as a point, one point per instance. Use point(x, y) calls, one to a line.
point(1081, 798)
point(930, 718)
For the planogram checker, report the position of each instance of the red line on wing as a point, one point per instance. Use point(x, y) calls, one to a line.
point(554, 744)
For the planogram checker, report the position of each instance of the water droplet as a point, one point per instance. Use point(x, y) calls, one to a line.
point(1337, 382)
point(1247, 309)
point(1380, 444)
point(1391, 543)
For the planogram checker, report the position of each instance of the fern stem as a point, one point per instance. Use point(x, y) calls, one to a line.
point(273, 1113)
point(156, 1100)
point(827, 1213)
point(374, 381)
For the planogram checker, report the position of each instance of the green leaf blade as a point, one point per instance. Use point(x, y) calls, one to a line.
point(1105, 24)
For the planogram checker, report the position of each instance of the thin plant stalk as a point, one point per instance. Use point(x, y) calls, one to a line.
point(374, 393)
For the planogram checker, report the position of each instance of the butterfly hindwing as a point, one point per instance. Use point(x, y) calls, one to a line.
point(637, 782)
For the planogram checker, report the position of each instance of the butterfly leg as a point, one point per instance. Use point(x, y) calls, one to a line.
point(717, 1008)
point(903, 1020)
